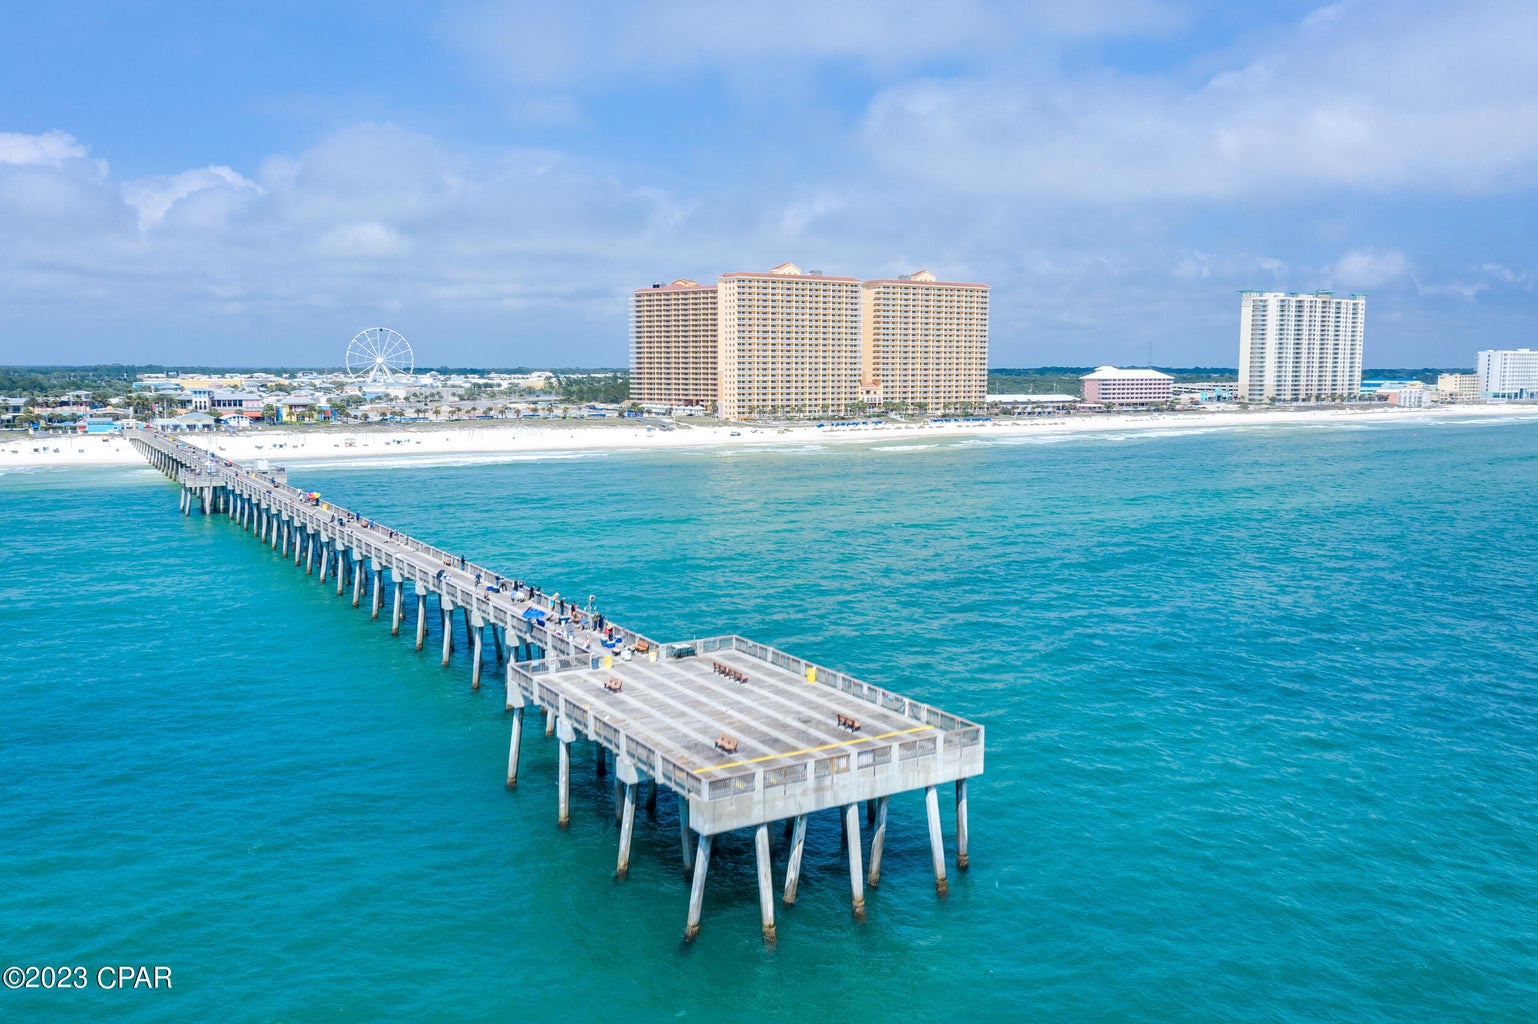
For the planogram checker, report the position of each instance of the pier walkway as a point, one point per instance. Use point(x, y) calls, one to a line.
point(743, 734)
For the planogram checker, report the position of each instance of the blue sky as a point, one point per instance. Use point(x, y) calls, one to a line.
point(255, 182)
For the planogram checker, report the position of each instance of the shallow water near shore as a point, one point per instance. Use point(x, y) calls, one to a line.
point(1262, 713)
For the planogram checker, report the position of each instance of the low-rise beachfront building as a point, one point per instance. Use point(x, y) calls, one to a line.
point(1458, 387)
point(1297, 347)
point(247, 402)
point(923, 343)
point(1201, 391)
point(673, 345)
point(1506, 374)
point(1110, 385)
point(1414, 395)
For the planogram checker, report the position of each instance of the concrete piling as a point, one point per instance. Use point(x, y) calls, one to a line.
point(513, 748)
point(765, 886)
point(397, 607)
point(856, 872)
point(961, 824)
point(475, 658)
point(936, 840)
point(793, 866)
point(697, 889)
point(877, 843)
point(685, 836)
point(564, 736)
point(421, 615)
point(626, 830)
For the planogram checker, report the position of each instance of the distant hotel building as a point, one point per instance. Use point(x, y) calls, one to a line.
point(923, 342)
point(1109, 385)
point(673, 344)
point(1508, 373)
point(788, 342)
point(1300, 347)
point(1458, 387)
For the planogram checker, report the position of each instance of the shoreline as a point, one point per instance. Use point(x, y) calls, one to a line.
point(488, 443)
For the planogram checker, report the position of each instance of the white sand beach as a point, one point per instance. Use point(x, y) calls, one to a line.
point(491, 442)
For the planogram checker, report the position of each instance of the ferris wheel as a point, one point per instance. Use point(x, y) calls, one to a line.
point(379, 356)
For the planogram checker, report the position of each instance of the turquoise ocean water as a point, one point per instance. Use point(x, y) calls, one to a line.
point(1262, 711)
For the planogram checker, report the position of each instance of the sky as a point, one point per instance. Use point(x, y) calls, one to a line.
point(252, 183)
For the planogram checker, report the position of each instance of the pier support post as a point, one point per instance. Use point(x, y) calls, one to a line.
point(309, 553)
point(325, 561)
point(465, 614)
point(765, 886)
point(936, 840)
point(600, 760)
point(277, 529)
point(513, 748)
point(564, 736)
point(961, 824)
point(856, 872)
point(685, 837)
point(475, 657)
point(357, 581)
point(421, 615)
point(341, 572)
point(448, 635)
point(626, 830)
point(651, 796)
point(496, 640)
point(375, 599)
point(299, 534)
point(877, 844)
point(395, 611)
point(793, 868)
point(549, 722)
point(697, 890)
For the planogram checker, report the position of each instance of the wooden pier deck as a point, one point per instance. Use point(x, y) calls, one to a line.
point(745, 735)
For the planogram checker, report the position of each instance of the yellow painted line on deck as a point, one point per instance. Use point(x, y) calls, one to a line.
point(812, 750)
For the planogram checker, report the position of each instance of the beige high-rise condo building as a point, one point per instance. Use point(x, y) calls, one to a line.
point(789, 343)
point(923, 343)
point(673, 344)
point(1296, 347)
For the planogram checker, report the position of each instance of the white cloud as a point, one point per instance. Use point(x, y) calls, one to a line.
point(1362, 269)
point(551, 42)
point(365, 240)
point(1367, 97)
point(50, 149)
point(153, 197)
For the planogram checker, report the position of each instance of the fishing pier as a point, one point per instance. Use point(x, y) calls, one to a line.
point(745, 736)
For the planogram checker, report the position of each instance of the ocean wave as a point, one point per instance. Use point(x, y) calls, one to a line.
point(447, 459)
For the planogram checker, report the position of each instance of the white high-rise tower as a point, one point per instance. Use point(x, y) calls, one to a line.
point(1300, 347)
